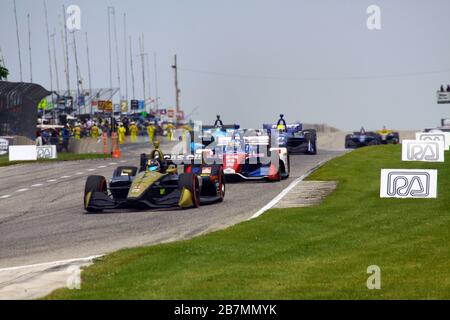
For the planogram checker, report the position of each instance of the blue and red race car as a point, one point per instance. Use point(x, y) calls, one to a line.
point(248, 155)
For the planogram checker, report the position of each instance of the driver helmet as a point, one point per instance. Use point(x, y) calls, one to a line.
point(154, 165)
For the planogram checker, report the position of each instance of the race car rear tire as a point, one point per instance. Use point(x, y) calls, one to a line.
point(396, 139)
point(311, 137)
point(276, 162)
point(347, 142)
point(119, 170)
point(221, 186)
point(286, 175)
point(190, 182)
point(94, 184)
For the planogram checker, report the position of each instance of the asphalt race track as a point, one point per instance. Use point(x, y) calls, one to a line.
point(42, 217)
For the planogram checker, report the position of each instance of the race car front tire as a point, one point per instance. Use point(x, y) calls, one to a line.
point(190, 182)
point(94, 184)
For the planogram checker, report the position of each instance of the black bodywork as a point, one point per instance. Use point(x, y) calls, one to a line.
point(362, 139)
point(390, 138)
point(161, 189)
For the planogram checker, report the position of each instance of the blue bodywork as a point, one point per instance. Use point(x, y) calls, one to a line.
point(294, 138)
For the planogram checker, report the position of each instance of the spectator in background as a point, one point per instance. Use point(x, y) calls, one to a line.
point(65, 135)
point(170, 128)
point(442, 88)
point(448, 88)
point(38, 139)
point(54, 137)
point(77, 131)
point(122, 131)
point(151, 131)
point(45, 136)
point(95, 131)
point(134, 132)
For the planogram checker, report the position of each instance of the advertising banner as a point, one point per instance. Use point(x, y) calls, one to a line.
point(134, 104)
point(123, 106)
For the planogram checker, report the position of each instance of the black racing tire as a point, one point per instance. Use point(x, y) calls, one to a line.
point(118, 171)
point(275, 158)
point(396, 139)
point(94, 184)
point(222, 188)
point(347, 142)
point(314, 143)
point(311, 136)
point(190, 181)
point(288, 167)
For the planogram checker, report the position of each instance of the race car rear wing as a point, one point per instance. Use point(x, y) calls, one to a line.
point(294, 127)
point(224, 127)
point(257, 140)
point(251, 140)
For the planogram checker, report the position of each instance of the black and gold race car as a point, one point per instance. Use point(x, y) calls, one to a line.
point(156, 184)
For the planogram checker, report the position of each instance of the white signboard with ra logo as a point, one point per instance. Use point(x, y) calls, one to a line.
point(408, 183)
point(435, 136)
point(420, 150)
point(4, 144)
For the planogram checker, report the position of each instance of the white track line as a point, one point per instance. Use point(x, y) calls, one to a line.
point(100, 167)
point(65, 177)
point(51, 263)
point(51, 180)
point(5, 196)
point(37, 185)
point(90, 170)
point(22, 190)
point(280, 196)
point(79, 173)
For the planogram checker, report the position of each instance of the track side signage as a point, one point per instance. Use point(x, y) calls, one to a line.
point(435, 136)
point(408, 183)
point(423, 150)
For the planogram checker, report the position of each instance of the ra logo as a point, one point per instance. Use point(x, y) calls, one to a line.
point(404, 184)
point(423, 151)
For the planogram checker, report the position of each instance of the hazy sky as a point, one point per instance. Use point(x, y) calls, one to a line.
point(250, 60)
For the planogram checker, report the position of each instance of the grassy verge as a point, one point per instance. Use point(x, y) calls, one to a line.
point(320, 252)
point(4, 161)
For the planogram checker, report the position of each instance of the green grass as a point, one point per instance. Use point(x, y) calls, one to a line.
point(319, 252)
point(4, 161)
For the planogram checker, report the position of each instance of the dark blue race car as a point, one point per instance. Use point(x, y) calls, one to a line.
point(362, 138)
point(293, 137)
